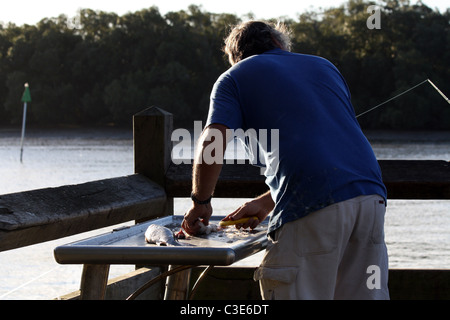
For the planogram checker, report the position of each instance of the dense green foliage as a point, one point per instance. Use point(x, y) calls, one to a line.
point(108, 67)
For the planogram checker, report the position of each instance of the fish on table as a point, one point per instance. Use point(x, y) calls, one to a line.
point(160, 235)
point(163, 236)
point(204, 230)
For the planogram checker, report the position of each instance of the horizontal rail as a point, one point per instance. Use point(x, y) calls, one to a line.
point(236, 283)
point(404, 179)
point(46, 214)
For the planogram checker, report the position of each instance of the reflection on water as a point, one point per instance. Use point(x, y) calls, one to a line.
point(417, 232)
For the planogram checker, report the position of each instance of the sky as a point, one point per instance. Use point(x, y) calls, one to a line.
point(32, 11)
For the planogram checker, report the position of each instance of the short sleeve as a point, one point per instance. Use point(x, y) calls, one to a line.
point(224, 105)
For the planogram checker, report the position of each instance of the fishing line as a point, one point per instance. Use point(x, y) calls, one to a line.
point(28, 282)
point(404, 92)
point(439, 91)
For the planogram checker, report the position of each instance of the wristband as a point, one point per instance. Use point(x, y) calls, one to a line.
point(199, 201)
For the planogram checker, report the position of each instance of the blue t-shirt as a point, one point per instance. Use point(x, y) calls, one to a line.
point(321, 156)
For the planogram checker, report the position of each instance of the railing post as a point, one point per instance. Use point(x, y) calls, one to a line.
point(152, 130)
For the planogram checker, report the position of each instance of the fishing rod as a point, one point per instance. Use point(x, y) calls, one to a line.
point(404, 92)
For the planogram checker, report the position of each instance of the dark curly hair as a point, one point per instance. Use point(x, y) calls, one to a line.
point(255, 37)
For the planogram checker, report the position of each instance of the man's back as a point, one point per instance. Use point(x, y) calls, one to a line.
point(323, 156)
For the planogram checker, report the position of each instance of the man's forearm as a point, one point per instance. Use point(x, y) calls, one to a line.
point(204, 179)
point(266, 201)
point(208, 161)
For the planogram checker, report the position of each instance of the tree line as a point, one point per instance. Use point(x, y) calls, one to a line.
point(104, 68)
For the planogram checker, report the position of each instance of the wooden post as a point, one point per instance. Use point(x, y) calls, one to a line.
point(93, 281)
point(152, 145)
point(177, 285)
point(152, 130)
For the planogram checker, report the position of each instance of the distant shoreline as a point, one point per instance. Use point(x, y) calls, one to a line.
point(122, 133)
point(407, 136)
point(88, 133)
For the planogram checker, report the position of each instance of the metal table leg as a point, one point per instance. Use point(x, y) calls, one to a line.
point(93, 281)
point(177, 284)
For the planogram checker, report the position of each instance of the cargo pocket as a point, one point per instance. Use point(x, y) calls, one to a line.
point(316, 234)
point(377, 236)
point(276, 282)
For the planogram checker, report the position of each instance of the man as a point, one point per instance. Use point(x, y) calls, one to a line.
point(326, 200)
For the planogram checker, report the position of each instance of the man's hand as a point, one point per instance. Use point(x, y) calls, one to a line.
point(259, 207)
point(197, 213)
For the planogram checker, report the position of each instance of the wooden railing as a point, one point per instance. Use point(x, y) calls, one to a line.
point(41, 215)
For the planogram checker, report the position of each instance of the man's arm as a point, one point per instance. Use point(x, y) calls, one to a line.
point(208, 162)
point(259, 207)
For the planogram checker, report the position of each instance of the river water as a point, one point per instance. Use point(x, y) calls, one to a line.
point(417, 232)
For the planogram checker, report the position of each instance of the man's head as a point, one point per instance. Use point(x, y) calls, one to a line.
point(255, 37)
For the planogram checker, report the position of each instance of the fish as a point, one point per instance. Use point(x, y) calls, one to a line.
point(204, 230)
point(207, 229)
point(160, 235)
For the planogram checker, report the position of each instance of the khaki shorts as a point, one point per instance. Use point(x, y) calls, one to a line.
point(334, 253)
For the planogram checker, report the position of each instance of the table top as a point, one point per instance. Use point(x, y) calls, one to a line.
point(128, 246)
